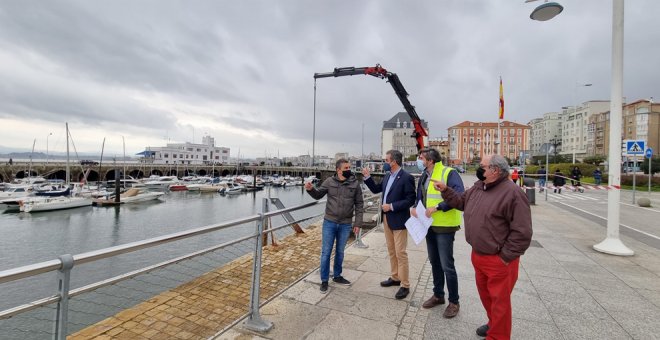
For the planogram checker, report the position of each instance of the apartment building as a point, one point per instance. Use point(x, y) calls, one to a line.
point(471, 140)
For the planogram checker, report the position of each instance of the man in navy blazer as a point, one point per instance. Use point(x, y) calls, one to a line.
point(398, 188)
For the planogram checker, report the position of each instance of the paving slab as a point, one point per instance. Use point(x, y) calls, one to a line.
point(341, 326)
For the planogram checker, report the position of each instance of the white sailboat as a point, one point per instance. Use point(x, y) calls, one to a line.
point(56, 203)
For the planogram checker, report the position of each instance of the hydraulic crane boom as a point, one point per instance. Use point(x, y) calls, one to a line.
point(400, 91)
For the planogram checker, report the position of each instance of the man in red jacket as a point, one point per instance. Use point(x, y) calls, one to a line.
point(498, 226)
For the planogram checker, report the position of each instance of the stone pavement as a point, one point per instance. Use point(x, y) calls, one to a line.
point(566, 290)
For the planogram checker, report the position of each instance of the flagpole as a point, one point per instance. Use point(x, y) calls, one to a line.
point(499, 120)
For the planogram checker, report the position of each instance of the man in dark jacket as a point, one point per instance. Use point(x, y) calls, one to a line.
point(344, 198)
point(398, 188)
point(441, 235)
point(558, 181)
point(498, 226)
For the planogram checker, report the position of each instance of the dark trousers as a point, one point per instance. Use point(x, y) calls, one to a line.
point(440, 248)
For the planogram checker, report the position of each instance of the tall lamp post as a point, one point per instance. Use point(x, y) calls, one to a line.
point(577, 86)
point(612, 243)
point(49, 134)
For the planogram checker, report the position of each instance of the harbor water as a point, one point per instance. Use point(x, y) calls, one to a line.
point(29, 238)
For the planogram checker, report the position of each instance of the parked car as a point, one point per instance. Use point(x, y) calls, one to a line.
point(88, 162)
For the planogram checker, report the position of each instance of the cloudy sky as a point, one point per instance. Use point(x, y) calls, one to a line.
point(242, 71)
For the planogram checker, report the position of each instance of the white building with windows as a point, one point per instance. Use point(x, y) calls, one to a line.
point(187, 153)
point(543, 131)
point(575, 127)
point(396, 135)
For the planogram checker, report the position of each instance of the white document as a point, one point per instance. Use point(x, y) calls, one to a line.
point(418, 226)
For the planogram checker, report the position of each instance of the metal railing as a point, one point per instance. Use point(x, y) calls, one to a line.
point(65, 263)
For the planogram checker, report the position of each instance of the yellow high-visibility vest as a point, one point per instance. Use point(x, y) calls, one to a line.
point(451, 218)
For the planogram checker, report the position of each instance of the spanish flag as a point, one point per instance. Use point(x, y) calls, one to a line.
point(501, 100)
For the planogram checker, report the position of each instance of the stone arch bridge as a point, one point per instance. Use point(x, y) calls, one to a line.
point(104, 172)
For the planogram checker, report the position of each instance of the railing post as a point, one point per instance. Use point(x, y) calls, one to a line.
point(62, 310)
point(254, 321)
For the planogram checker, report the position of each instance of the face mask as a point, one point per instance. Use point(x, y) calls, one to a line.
point(420, 165)
point(346, 173)
point(480, 173)
point(386, 167)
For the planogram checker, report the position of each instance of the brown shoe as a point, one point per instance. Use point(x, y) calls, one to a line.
point(451, 311)
point(433, 301)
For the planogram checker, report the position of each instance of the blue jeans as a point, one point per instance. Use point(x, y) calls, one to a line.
point(542, 183)
point(333, 231)
point(441, 255)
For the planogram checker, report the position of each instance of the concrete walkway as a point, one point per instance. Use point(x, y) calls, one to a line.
point(566, 290)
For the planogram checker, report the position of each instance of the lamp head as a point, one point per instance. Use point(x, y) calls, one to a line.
point(546, 11)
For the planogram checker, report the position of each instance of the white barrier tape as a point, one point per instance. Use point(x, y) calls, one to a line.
point(576, 187)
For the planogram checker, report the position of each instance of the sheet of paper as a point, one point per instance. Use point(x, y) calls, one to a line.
point(418, 226)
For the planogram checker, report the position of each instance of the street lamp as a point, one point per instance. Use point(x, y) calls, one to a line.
point(577, 86)
point(612, 243)
point(49, 134)
point(546, 11)
point(555, 142)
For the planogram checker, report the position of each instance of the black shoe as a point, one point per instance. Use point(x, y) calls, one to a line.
point(341, 280)
point(402, 293)
point(482, 330)
point(389, 283)
point(324, 287)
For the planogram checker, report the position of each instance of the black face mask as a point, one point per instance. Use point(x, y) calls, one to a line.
point(480, 173)
point(346, 173)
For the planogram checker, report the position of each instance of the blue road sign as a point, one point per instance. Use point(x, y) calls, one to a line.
point(635, 147)
point(649, 153)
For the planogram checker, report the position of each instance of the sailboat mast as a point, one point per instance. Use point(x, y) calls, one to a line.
point(29, 174)
point(124, 161)
point(68, 172)
point(101, 162)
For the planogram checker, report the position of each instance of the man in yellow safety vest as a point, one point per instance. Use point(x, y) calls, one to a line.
point(441, 234)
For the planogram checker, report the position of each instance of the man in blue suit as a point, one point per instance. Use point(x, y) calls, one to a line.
point(398, 188)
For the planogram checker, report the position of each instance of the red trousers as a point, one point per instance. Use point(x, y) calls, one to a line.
point(495, 281)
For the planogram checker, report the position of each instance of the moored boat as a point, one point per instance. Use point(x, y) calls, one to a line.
point(53, 203)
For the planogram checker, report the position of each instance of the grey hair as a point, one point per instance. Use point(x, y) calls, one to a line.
point(500, 162)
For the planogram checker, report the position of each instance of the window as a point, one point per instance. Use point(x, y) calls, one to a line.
point(504, 133)
point(166, 156)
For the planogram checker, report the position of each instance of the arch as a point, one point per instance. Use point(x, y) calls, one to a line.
point(24, 173)
point(172, 172)
point(216, 173)
point(2, 179)
point(59, 174)
point(225, 172)
point(110, 175)
point(93, 176)
point(156, 172)
point(189, 172)
point(201, 172)
point(136, 173)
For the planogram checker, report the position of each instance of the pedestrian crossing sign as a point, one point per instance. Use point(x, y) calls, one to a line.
point(635, 147)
